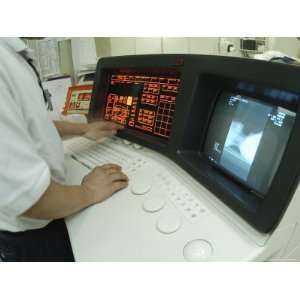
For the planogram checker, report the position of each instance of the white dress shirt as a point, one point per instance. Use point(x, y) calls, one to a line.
point(31, 151)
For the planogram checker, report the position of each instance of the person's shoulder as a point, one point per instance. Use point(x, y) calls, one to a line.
point(4, 58)
point(8, 60)
point(4, 48)
point(8, 68)
point(6, 54)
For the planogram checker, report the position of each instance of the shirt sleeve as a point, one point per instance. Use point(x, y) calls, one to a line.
point(24, 175)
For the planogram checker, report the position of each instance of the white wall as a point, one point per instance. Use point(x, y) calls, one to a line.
point(122, 46)
point(287, 45)
point(83, 53)
point(85, 50)
point(151, 45)
point(175, 45)
point(204, 45)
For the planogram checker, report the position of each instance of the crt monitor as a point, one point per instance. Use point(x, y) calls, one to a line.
point(247, 137)
point(143, 100)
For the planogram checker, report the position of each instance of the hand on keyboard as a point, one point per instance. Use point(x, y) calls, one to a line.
point(104, 181)
point(101, 129)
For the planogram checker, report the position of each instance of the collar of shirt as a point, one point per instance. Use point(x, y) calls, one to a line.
point(17, 45)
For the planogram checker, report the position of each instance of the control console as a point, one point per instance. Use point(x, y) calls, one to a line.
point(210, 145)
point(161, 216)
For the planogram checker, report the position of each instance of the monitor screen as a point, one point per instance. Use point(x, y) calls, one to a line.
point(143, 101)
point(247, 138)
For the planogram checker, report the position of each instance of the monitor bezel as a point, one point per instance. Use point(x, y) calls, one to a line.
point(262, 212)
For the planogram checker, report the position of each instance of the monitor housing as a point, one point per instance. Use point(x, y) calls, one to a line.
point(193, 91)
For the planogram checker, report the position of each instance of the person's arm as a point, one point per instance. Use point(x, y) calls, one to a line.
point(60, 201)
point(68, 128)
point(94, 130)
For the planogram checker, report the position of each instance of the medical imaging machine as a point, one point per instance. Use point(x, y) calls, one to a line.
point(211, 146)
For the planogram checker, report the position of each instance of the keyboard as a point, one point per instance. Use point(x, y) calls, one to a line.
point(92, 154)
point(163, 207)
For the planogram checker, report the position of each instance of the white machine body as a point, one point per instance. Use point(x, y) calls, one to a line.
point(165, 214)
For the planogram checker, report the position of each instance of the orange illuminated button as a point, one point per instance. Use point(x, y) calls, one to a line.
point(129, 100)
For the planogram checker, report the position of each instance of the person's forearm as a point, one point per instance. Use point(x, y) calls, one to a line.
point(68, 128)
point(59, 201)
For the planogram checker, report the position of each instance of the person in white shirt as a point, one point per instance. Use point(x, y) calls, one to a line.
point(33, 196)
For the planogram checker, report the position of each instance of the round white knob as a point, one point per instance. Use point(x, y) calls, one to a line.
point(197, 250)
point(153, 204)
point(126, 142)
point(140, 188)
point(137, 146)
point(168, 223)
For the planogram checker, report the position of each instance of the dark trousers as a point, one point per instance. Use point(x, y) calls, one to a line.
point(50, 243)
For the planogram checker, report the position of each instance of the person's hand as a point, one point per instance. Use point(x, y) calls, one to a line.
point(104, 181)
point(101, 129)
